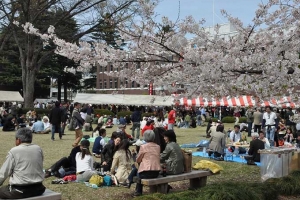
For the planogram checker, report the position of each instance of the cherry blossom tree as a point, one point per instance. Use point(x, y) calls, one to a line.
point(41, 13)
point(261, 59)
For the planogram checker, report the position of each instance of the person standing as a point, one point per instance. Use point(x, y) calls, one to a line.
point(136, 119)
point(77, 124)
point(24, 166)
point(198, 113)
point(55, 118)
point(249, 115)
point(257, 119)
point(64, 117)
point(171, 119)
point(203, 116)
point(270, 124)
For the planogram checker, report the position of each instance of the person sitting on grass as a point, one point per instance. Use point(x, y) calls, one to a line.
point(24, 166)
point(9, 124)
point(217, 142)
point(264, 139)
point(255, 145)
point(84, 162)
point(66, 165)
point(109, 151)
point(121, 165)
point(149, 126)
point(47, 125)
point(99, 143)
point(38, 126)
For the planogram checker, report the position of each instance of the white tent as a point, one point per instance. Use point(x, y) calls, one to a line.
point(120, 99)
point(10, 96)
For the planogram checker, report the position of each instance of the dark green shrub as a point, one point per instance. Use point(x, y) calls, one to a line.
point(147, 114)
point(229, 191)
point(228, 119)
point(288, 185)
point(243, 120)
point(102, 112)
point(213, 119)
point(124, 113)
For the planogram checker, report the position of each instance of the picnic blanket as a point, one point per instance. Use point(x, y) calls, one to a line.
point(230, 158)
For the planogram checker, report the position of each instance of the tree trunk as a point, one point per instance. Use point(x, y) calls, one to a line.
point(28, 79)
point(59, 89)
point(65, 90)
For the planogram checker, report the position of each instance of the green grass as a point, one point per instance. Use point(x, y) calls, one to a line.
point(233, 172)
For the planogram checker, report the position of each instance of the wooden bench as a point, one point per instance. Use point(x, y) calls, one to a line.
point(48, 195)
point(197, 179)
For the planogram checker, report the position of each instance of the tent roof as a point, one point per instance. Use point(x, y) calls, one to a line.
point(11, 96)
point(120, 99)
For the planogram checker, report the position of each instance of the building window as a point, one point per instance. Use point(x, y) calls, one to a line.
point(138, 85)
point(110, 83)
point(100, 69)
point(138, 65)
point(126, 66)
point(116, 83)
point(111, 68)
point(132, 84)
point(105, 84)
point(101, 85)
point(126, 82)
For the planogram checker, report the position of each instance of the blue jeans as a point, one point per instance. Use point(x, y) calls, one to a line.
point(56, 128)
point(132, 174)
point(187, 124)
point(137, 126)
point(270, 132)
point(199, 120)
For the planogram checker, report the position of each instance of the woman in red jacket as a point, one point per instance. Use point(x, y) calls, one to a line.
point(149, 126)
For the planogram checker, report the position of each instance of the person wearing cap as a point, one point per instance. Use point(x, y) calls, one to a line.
point(24, 167)
point(255, 145)
point(148, 159)
point(172, 155)
point(84, 162)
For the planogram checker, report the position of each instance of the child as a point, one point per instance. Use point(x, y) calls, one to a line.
point(289, 135)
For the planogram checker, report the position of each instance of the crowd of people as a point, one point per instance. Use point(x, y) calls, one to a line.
point(157, 152)
point(266, 128)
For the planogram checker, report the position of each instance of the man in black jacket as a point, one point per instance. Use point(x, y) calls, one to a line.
point(255, 145)
point(55, 118)
point(136, 119)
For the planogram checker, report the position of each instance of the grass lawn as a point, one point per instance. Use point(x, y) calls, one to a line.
point(54, 150)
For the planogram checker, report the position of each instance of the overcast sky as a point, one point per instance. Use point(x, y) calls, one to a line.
point(243, 9)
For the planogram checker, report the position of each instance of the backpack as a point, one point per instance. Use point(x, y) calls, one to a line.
point(72, 124)
point(107, 180)
point(96, 179)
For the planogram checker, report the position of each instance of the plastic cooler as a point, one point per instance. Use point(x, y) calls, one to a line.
point(275, 162)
